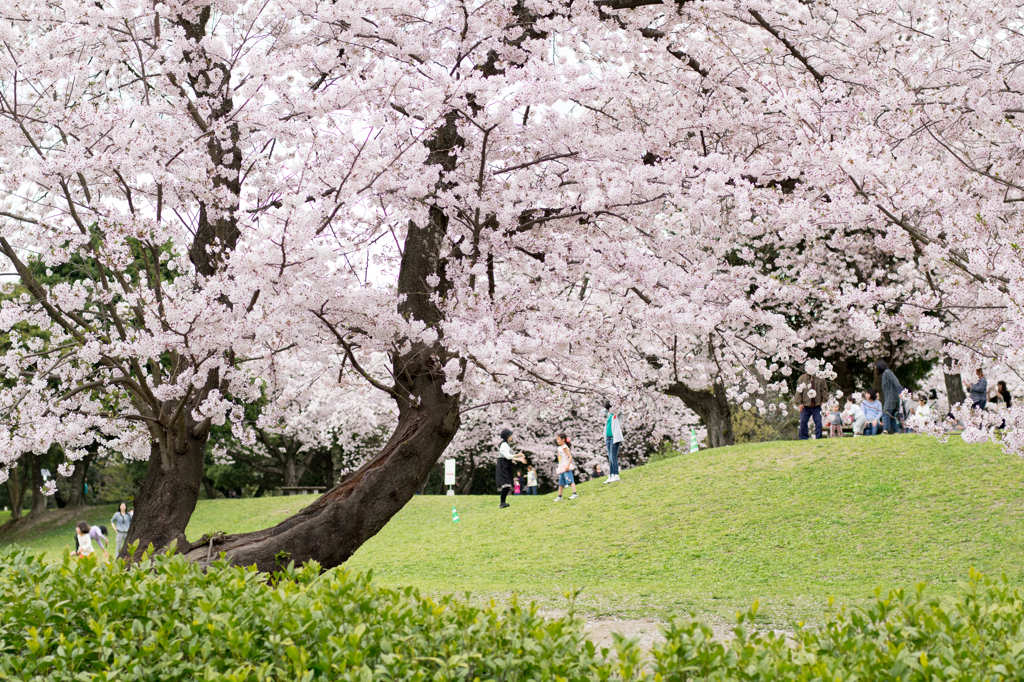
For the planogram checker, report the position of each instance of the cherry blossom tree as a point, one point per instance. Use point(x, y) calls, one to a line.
point(448, 200)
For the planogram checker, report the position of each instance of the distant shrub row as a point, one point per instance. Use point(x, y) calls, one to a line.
point(171, 621)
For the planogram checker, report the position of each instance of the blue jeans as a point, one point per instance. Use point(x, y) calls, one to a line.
point(891, 423)
point(872, 429)
point(531, 489)
point(807, 413)
point(979, 404)
point(565, 479)
point(613, 456)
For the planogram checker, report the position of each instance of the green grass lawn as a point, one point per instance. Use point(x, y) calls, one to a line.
point(787, 523)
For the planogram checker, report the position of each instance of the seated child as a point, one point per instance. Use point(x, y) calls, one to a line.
point(854, 415)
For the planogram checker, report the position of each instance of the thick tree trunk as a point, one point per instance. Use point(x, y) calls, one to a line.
point(38, 498)
point(169, 492)
point(955, 392)
point(331, 529)
point(76, 495)
point(713, 407)
point(16, 491)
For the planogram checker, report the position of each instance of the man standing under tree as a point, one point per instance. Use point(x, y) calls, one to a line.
point(810, 391)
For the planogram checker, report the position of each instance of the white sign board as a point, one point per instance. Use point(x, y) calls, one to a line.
point(449, 472)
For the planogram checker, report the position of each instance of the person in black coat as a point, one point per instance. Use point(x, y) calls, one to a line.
point(503, 470)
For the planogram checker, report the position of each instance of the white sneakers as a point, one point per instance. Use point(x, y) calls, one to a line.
point(558, 499)
point(614, 478)
point(573, 496)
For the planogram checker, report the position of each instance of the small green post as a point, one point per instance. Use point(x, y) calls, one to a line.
point(694, 447)
point(455, 516)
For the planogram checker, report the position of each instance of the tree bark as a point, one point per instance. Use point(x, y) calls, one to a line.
point(955, 392)
point(16, 491)
point(713, 407)
point(76, 495)
point(469, 474)
point(38, 498)
point(331, 529)
point(169, 492)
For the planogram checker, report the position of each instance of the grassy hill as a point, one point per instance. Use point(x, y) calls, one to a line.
point(787, 523)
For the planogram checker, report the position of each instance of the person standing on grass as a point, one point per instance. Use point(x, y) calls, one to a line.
point(978, 390)
point(503, 470)
point(810, 392)
point(564, 470)
point(891, 390)
point(121, 521)
point(835, 421)
point(531, 480)
point(613, 439)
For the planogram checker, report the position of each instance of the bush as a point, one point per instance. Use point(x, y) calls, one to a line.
point(169, 620)
point(902, 636)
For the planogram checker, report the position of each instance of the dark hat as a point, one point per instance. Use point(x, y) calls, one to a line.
point(607, 405)
point(505, 433)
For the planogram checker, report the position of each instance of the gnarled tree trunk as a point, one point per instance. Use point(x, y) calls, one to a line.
point(169, 492)
point(713, 407)
point(331, 529)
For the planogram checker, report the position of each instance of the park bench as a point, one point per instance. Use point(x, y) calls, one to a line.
point(303, 490)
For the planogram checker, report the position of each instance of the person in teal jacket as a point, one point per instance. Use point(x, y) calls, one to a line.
point(613, 439)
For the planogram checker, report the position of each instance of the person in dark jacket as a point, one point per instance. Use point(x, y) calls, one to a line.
point(978, 391)
point(503, 470)
point(891, 390)
point(811, 392)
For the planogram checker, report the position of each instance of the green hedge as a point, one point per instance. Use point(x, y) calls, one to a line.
point(84, 620)
point(168, 620)
point(901, 636)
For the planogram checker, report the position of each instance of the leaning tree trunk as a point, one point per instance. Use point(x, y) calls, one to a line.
point(331, 529)
point(713, 407)
point(954, 385)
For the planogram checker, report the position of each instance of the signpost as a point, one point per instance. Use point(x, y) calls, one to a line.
point(449, 475)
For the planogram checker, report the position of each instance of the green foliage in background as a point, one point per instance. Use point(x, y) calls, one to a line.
point(749, 426)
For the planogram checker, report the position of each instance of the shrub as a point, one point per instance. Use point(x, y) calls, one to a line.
point(169, 620)
point(903, 636)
